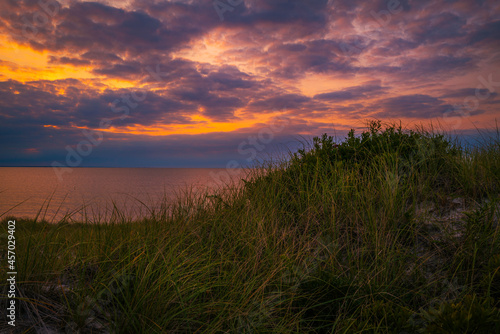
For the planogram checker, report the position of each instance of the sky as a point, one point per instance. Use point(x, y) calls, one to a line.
point(203, 83)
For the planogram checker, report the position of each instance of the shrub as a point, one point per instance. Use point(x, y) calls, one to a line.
point(410, 146)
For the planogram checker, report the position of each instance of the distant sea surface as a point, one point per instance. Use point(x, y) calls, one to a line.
point(26, 191)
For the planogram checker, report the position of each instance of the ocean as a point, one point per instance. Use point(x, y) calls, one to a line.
point(94, 193)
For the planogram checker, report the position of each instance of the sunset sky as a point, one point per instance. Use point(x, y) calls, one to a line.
point(195, 83)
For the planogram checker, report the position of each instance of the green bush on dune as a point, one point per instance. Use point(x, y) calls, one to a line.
point(375, 143)
point(392, 231)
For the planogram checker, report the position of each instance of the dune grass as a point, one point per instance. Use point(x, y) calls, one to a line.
point(391, 232)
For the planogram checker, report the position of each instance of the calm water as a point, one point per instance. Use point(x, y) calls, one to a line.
point(24, 190)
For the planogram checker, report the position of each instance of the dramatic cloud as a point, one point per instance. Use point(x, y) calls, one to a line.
point(173, 81)
point(353, 93)
point(415, 106)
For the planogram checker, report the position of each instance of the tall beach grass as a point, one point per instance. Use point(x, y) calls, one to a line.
point(393, 231)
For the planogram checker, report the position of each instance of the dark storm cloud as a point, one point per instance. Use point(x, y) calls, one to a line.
point(368, 90)
point(321, 63)
point(229, 78)
point(100, 56)
point(30, 104)
point(444, 66)
point(221, 108)
point(311, 13)
point(85, 107)
point(217, 108)
point(68, 60)
point(219, 91)
point(89, 26)
point(146, 109)
point(438, 27)
point(122, 70)
point(315, 56)
point(489, 32)
point(339, 96)
point(94, 27)
point(289, 47)
point(413, 106)
point(467, 92)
